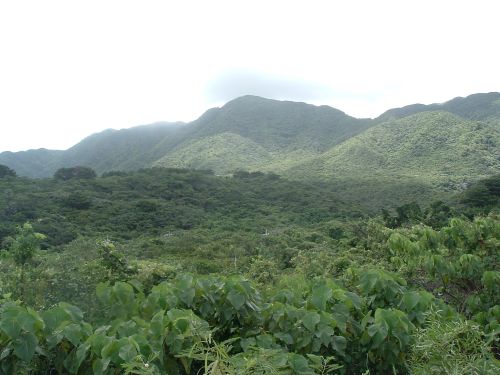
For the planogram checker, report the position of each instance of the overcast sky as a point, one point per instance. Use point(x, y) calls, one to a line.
point(72, 68)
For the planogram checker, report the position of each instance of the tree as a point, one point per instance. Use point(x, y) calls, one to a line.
point(22, 249)
point(6, 171)
point(78, 200)
point(65, 174)
point(437, 215)
point(407, 214)
point(479, 195)
point(114, 261)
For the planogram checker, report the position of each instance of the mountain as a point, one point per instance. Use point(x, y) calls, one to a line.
point(270, 132)
point(281, 125)
point(411, 153)
point(32, 163)
point(436, 146)
point(254, 133)
point(482, 107)
point(420, 156)
point(125, 149)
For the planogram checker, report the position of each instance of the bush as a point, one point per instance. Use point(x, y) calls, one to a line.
point(451, 347)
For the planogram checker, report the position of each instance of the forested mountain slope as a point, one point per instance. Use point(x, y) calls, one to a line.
point(32, 163)
point(273, 130)
point(484, 107)
point(437, 147)
point(125, 149)
point(257, 132)
point(442, 145)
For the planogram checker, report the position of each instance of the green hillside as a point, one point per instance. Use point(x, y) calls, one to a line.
point(254, 133)
point(281, 125)
point(424, 156)
point(125, 149)
point(484, 107)
point(289, 131)
point(222, 153)
point(436, 147)
point(33, 163)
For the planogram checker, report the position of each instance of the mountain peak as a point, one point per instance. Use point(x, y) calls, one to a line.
point(246, 100)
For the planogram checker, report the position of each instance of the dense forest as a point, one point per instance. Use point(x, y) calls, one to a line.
point(178, 271)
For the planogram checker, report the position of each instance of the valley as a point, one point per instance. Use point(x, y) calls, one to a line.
point(265, 237)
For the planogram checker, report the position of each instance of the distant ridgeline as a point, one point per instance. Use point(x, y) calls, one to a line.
point(432, 149)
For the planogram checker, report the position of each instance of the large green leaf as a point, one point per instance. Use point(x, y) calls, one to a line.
point(339, 344)
point(325, 334)
point(285, 337)
point(25, 346)
point(54, 317)
point(236, 299)
point(182, 325)
point(9, 323)
point(74, 312)
point(410, 300)
point(99, 366)
point(73, 333)
point(156, 325)
point(187, 296)
point(320, 297)
point(300, 365)
point(81, 353)
point(71, 363)
point(310, 320)
point(127, 352)
point(124, 292)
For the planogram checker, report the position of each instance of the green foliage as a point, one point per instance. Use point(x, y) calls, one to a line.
point(435, 216)
point(460, 261)
point(214, 323)
point(22, 249)
point(77, 200)
point(484, 194)
point(158, 200)
point(329, 290)
point(436, 149)
point(367, 320)
point(6, 171)
point(114, 261)
point(25, 244)
point(222, 153)
point(451, 346)
point(78, 172)
point(418, 153)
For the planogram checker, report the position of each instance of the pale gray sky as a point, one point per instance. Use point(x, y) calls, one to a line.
point(72, 68)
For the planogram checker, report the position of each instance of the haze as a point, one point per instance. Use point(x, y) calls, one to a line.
point(69, 69)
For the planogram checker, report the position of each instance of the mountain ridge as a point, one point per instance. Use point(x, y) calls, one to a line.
point(444, 146)
point(277, 125)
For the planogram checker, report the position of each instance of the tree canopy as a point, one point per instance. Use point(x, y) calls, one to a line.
point(74, 172)
point(6, 171)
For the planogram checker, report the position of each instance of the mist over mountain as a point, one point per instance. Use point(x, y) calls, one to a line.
point(439, 146)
